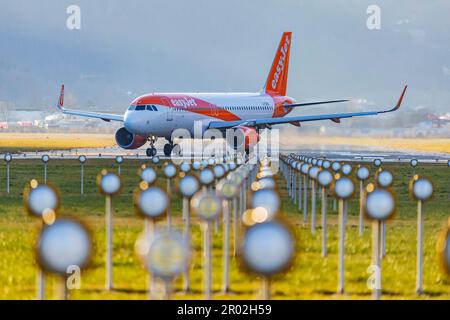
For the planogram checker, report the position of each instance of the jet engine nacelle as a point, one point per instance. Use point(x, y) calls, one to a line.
point(243, 137)
point(127, 140)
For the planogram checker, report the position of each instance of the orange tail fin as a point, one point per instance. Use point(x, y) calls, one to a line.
point(276, 82)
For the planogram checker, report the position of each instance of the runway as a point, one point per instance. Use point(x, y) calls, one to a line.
point(337, 153)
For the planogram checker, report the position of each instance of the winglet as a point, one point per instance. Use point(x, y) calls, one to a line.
point(61, 98)
point(399, 103)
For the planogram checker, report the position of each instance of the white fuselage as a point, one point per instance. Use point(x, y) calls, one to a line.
point(159, 114)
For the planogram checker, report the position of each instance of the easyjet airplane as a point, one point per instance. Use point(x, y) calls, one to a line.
point(156, 115)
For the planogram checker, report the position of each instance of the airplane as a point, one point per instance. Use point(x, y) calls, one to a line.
point(155, 115)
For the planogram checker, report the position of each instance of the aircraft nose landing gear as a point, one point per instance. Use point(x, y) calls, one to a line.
point(151, 152)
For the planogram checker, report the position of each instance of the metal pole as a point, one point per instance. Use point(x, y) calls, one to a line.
point(82, 179)
point(45, 172)
point(40, 284)
point(305, 200)
point(64, 292)
point(341, 248)
point(313, 206)
point(419, 277)
point(294, 184)
point(226, 247)
point(208, 260)
point(187, 235)
point(109, 234)
point(7, 177)
point(361, 206)
point(235, 225)
point(376, 260)
point(383, 239)
point(169, 210)
point(265, 288)
point(324, 222)
point(149, 231)
point(167, 289)
point(299, 192)
point(118, 170)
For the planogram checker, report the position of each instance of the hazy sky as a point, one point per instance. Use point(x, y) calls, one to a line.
point(127, 48)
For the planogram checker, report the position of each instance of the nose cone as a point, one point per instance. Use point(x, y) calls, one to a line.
point(133, 122)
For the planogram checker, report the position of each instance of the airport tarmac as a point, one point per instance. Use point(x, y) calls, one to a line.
point(338, 153)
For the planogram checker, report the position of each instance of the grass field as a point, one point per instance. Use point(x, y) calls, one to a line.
point(312, 277)
point(9, 142)
point(441, 145)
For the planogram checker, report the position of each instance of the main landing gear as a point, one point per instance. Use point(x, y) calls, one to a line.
point(170, 148)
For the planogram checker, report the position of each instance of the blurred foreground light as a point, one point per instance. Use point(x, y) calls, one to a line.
point(219, 171)
point(377, 162)
point(362, 173)
point(185, 167)
point(188, 186)
point(45, 158)
point(267, 199)
point(206, 205)
point(346, 169)
point(343, 187)
point(166, 257)
point(422, 188)
point(155, 160)
point(40, 197)
point(119, 159)
point(206, 177)
point(268, 248)
point(384, 178)
point(227, 189)
point(336, 166)
point(148, 175)
point(109, 183)
point(63, 244)
point(325, 178)
point(170, 170)
point(264, 183)
point(151, 203)
point(313, 172)
point(380, 205)
point(196, 165)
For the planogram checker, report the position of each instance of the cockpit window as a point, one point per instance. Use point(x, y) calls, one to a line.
point(140, 108)
point(154, 108)
point(131, 108)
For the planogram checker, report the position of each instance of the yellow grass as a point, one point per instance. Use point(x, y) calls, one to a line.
point(427, 145)
point(55, 140)
point(33, 141)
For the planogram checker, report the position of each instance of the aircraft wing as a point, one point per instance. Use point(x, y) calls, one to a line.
point(335, 117)
point(89, 114)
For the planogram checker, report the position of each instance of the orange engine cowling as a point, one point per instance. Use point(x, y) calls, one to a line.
point(127, 140)
point(242, 136)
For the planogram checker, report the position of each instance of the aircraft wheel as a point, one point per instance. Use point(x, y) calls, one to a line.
point(168, 149)
point(150, 152)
